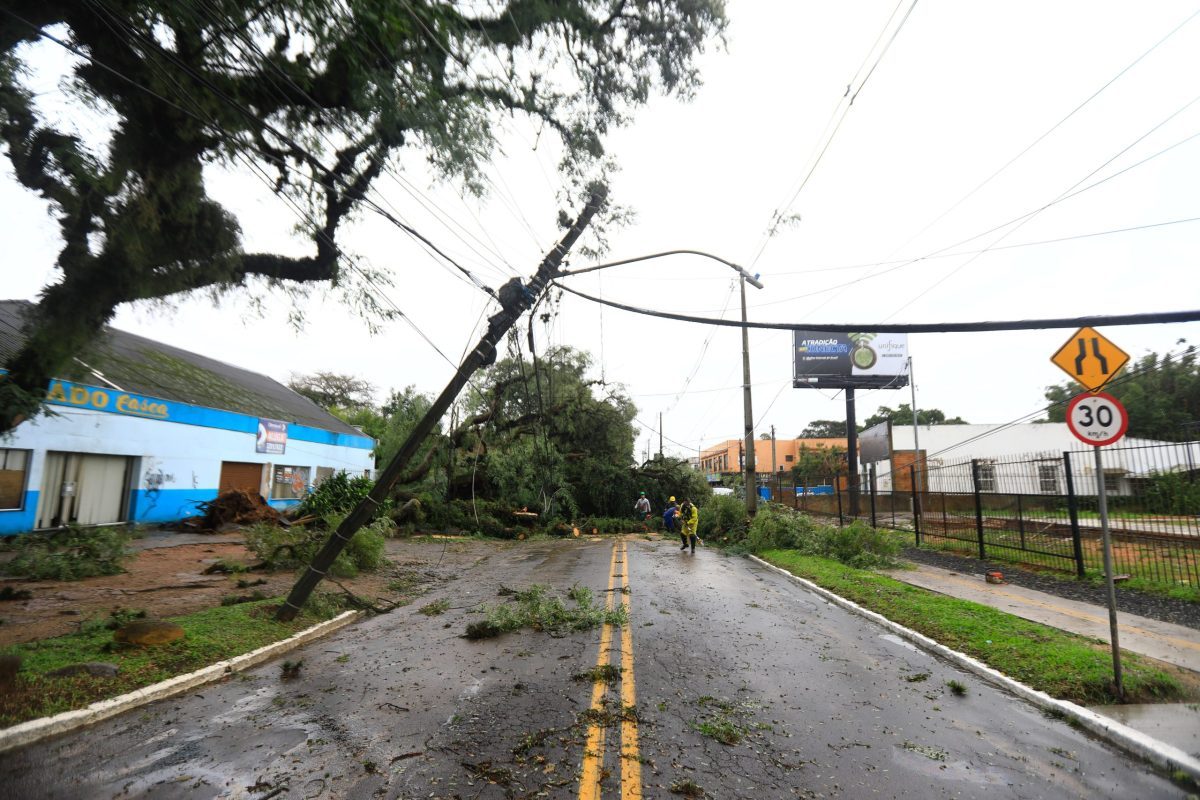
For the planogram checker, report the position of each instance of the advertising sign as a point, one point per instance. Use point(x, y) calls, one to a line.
point(843, 360)
point(272, 437)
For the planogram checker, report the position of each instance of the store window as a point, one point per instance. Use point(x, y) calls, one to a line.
point(290, 483)
point(14, 467)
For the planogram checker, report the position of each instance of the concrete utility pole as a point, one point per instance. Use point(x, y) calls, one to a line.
point(660, 435)
point(751, 480)
point(515, 298)
point(912, 385)
point(851, 451)
point(774, 469)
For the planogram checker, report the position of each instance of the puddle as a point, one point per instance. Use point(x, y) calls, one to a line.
point(889, 637)
point(1177, 724)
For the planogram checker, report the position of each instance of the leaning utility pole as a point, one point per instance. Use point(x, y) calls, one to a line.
point(751, 481)
point(515, 298)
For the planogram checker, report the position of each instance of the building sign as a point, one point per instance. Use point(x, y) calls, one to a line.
point(272, 437)
point(824, 360)
point(65, 393)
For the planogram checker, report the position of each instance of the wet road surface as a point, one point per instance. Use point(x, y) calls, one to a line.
point(733, 681)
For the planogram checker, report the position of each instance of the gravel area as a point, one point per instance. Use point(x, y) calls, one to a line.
point(1164, 609)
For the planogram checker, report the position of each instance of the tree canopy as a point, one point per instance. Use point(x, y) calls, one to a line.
point(904, 416)
point(331, 390)
point(321, 96)
point(824, 429)
point(1161, 394)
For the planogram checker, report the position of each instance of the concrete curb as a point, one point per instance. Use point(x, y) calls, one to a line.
point(1158, 753)
point(36, 729)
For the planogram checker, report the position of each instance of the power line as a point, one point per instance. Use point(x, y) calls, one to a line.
point(780, 213)
point(1052, 128)
point(1150, 318)
point(1128, 376)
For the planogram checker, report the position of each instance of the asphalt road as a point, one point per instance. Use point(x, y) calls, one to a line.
point(811, 700)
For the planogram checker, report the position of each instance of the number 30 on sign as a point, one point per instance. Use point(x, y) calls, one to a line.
point(1097, 419)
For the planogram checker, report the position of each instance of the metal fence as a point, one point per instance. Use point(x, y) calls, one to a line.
point(1037, 509)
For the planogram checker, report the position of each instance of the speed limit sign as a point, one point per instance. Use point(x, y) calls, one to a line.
point(1097, 419)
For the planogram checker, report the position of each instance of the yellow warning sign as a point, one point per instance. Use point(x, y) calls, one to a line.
point(1090, 359)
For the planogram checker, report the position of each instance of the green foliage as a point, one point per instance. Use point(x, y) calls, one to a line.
point(369, 80)
point(540, 610)
point(331, 390)
point(904, 416)
point(824, 429)
point(722, 517)
point(814, 464)
point(296, 546)
point(69, 554)
point(338, 494)
point(857, 544)
point(1172, 493)
point(1161, 394)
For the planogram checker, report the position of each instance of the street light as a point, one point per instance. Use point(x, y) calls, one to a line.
point(744, 277)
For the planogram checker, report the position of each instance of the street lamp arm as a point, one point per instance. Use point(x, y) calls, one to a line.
point(751, 279)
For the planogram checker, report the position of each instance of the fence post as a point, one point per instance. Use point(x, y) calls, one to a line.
point(871, 478)
point(1073, 510)
point(916, 504)
point(1021, 521)
point(837, 491)
point(978, 507)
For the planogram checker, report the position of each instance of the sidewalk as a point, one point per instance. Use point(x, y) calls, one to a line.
point(1177, 724)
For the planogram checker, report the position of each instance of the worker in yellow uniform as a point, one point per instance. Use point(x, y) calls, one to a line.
point(689, 519)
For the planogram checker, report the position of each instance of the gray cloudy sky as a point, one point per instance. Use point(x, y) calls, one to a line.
point(964, 87)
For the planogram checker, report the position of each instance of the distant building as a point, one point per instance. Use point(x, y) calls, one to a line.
point(726, 458)
point(143, 432)
point(1025, 458)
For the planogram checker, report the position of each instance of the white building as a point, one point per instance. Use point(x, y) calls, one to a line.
point(1025, 458)
point(144, 432)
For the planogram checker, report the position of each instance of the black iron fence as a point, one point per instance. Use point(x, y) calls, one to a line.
point(1038, 509)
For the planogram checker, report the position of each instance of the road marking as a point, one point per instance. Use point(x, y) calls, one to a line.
point(593, 754)
point(631, 757)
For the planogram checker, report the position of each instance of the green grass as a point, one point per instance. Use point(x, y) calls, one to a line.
point(212, 635)
point(1061, 664)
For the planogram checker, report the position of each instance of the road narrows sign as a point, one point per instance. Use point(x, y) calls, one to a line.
point(1097, 418)
point(1090, 359)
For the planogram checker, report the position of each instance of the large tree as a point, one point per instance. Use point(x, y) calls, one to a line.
point(1161, 394)
point(323, 95)
point(904, 416)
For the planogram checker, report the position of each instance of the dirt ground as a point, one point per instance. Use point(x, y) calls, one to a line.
point(167, 579)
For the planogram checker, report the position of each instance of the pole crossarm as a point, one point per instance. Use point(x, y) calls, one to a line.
point(751, 279)
point(515, 298)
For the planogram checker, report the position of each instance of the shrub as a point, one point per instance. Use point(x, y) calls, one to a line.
point(338, 494)
point(857, 544)
point(296, 546)
point(70, 554)
point(722, 516)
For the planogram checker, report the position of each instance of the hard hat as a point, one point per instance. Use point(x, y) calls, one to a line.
point(671, 499)
point(643, 494)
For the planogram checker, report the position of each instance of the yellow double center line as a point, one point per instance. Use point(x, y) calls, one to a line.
point(593, 756)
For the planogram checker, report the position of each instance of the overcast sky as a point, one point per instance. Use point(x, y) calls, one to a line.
point(964, 87)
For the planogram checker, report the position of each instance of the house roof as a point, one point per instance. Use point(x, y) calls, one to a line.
point(143, 366)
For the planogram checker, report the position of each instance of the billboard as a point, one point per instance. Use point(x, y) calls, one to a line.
point(823, 360)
